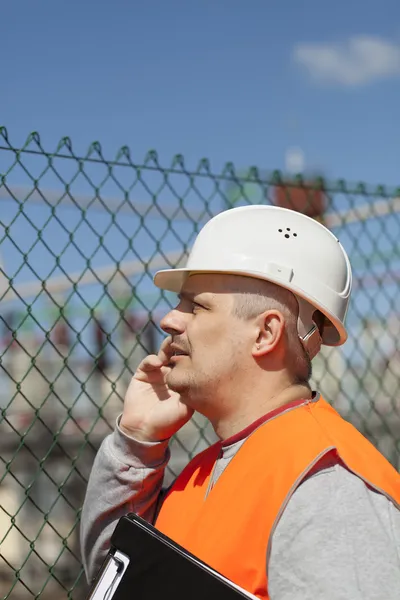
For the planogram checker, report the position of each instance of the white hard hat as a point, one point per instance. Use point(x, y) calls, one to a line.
point(281, 246)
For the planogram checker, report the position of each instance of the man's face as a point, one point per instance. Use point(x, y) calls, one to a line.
point(210, 344)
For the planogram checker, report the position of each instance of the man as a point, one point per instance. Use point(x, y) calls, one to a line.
point(292, 502)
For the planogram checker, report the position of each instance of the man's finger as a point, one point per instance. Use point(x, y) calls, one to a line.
point(150, 363)
point(165, 352)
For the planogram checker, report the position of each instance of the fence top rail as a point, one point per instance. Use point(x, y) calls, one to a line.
point(64, 149)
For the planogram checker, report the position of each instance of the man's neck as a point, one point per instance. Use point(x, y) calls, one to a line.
point(255, 407)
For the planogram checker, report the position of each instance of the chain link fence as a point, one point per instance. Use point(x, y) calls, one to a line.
point(80, 240)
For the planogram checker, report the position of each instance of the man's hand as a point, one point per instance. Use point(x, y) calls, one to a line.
point(152, 412)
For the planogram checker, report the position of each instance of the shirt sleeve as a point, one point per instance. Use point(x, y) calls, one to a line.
point(126, 476)
point(337, 540)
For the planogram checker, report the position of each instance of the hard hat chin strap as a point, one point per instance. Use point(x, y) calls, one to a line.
point(307, 328)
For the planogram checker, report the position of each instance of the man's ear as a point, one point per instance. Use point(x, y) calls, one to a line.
point(270, 328)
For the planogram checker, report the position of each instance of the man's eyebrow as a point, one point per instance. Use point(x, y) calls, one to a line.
point(190, 296)
point(186, 296)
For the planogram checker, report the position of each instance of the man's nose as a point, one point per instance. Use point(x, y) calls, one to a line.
point(173, 323)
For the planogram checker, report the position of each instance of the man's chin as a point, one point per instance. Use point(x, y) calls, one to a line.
point(177, 383)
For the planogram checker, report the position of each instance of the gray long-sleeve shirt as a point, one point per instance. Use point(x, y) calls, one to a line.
point(336, 540)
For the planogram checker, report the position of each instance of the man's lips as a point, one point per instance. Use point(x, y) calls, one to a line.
point(176, 351)
point(177, 357)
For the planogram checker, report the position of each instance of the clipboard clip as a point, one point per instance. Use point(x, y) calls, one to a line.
point(111, 576)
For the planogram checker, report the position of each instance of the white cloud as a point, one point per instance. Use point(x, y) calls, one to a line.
point(361, 60)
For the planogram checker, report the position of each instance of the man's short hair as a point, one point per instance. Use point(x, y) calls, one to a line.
point(263, 295)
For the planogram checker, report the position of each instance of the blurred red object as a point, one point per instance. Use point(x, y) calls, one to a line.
point(61, 334)
point(305, 198)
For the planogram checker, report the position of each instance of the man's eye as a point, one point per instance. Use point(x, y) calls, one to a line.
point(196, 306)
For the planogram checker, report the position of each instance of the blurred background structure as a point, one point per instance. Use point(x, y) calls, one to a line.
point(80, 240)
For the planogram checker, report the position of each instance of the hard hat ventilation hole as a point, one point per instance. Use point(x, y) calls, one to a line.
point(287, 235)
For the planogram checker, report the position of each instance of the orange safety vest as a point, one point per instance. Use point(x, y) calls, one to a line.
point(230, 527)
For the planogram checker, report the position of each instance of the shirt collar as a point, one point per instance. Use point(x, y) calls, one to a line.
point(241, 435)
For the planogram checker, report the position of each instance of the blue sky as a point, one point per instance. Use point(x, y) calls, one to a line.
point(236, 80)
point(231, 81)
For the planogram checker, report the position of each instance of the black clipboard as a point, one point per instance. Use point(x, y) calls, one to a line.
point(145, 564)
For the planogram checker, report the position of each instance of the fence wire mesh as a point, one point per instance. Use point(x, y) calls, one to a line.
point(80, 240)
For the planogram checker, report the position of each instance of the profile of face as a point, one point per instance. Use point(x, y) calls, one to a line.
point(211, 346)
point(216, 350)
